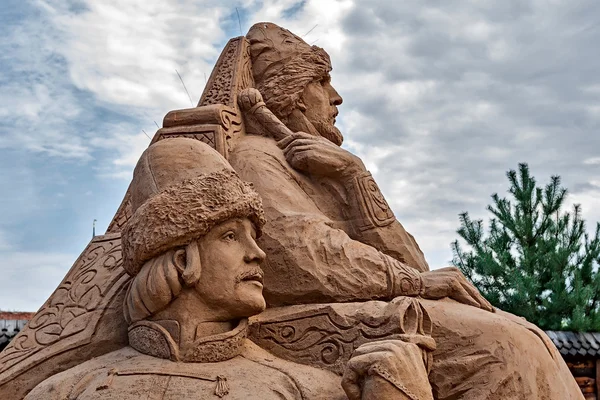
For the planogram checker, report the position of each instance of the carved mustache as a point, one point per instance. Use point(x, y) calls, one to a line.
point(255, 274)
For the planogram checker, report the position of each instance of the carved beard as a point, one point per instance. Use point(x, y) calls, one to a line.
point(329, 131)
point(298, 122)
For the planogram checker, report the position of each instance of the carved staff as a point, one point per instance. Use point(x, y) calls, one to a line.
point(251, 103)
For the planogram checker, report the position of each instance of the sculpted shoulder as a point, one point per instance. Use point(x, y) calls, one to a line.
point(311, 382)
point(254, 144)
point(63, 385)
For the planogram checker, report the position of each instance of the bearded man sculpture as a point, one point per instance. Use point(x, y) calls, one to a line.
point(347, 289)
point(331, 237)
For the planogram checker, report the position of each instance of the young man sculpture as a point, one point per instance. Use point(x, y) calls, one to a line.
point(190, 248)
point(331, 237)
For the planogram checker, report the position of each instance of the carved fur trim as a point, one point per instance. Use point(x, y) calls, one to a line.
point(151, 338)
point(185, 212)
point(221, 347)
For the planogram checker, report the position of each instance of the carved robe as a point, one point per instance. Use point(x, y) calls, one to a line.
point(315, 253)
point(237, 370)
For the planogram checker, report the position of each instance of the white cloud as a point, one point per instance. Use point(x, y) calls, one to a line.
point(33, 277)
point(592, 161)
point(590, 202)
point(126, 149)
point(126, 53)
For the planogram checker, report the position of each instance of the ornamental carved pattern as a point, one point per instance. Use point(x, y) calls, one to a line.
point(219, 87)
point(246, 79)
point(71, 314)
point(232, 73)
point(122, 215)
point(326, 336)
point(204, 137)
point(232, 127)
point(213, 135)
point(376, 211)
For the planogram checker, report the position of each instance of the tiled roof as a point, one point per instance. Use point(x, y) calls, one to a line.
point(576, 343)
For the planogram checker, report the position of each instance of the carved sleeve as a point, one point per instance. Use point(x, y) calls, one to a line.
point(308, 259)
point(375, 224)
point(403, 280)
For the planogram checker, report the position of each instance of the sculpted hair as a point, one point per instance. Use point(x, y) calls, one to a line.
point(160, 281)
point(153, 288)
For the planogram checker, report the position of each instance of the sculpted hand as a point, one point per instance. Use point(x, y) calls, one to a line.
point(387, 369)
point(450, 282)
point(318, 156)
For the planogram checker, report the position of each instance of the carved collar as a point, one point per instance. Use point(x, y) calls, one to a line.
point(161, 339)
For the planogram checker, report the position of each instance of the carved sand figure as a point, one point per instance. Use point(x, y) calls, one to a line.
point(351, 303)
point(331, 237)
point(190, 248)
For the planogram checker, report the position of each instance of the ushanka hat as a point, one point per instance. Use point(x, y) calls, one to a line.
point(181, 189)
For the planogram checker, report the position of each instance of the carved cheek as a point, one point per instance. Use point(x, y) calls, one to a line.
point(230, 260)
point(216, 262)
point(315, 98)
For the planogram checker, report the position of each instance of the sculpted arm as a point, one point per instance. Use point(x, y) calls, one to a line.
point(372, 220)
point(310, 260)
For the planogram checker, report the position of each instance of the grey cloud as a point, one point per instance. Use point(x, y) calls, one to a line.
point(583, 187)
point(34, 276)
point(508, 83)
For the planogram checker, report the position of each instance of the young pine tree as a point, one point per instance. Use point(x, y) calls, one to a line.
point(536, 261)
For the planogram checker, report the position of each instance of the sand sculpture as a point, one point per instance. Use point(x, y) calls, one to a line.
point(158, 307)
point(191, 252)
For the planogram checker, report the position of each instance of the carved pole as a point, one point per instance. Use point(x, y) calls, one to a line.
point(251, 103)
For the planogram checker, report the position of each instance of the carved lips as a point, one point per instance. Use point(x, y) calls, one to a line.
point(335, 114)
point(255, 274)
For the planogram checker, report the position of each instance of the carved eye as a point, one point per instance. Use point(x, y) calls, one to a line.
point(229, 236)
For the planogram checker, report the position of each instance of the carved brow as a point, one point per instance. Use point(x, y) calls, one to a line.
point(326, 78)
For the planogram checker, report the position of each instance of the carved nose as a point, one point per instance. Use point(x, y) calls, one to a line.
point(254, 253)
point(336, 100)
point(334, 97)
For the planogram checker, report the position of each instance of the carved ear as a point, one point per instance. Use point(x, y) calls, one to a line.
point(187, 263)
point(301, 105)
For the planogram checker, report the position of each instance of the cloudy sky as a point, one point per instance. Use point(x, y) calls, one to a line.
point(441, 98)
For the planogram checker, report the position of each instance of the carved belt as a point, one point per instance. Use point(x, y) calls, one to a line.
point(221, 389)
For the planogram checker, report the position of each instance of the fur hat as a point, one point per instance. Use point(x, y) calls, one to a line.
point(181, 189)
